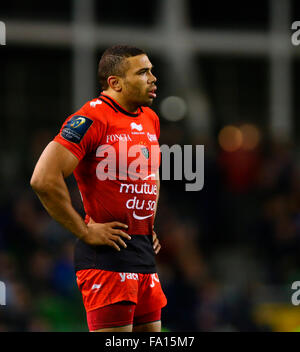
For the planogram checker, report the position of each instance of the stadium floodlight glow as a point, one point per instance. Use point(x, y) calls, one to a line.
point(246, 137)
point(251, 136)
point(230, 138)
point(173, 108)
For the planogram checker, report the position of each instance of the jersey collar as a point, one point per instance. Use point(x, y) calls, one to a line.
point(115, 106)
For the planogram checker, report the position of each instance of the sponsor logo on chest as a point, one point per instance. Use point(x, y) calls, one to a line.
point(136, 128)
point(123, 137)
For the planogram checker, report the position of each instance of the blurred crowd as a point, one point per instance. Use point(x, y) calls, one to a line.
point(226, 243)
point(219, 245)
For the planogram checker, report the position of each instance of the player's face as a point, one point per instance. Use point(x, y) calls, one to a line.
point(138, 84)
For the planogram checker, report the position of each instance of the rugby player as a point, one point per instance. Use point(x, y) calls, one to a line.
point(115, 251)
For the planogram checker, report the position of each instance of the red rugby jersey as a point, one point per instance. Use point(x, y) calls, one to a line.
point(101, 134)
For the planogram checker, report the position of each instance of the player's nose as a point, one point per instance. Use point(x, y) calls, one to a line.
point(152, 78)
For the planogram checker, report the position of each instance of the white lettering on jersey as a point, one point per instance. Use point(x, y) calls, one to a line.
point(139, 204)
point(118, 137)
point(128, 276)
point(96, 286)
point(94, 103)
point(151, 137)
point(137, 217)
point(154, 278)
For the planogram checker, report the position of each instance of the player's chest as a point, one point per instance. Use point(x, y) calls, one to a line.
point(131, 132)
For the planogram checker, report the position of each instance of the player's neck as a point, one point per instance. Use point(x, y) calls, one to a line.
point(121, 101)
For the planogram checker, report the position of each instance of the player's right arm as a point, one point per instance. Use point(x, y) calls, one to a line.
point(48, 181)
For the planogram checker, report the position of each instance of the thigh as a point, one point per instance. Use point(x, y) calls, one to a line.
point(127, 328)
point(151, 297)
point(148, 322)
point(114, 317)
point(101, 290)
point(148, 327)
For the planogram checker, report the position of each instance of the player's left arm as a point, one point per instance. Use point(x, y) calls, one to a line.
point(156, 244)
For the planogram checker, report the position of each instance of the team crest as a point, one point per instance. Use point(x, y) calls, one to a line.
point(145, 152)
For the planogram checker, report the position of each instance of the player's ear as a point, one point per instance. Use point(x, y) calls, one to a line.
point(114, 83)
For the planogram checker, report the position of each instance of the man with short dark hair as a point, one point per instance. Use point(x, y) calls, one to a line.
point(112, 62)
point(116, 245)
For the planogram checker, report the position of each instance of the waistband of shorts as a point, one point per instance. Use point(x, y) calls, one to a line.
point(120, 269)
point(138, 257)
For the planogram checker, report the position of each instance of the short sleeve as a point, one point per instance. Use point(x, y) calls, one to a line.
point(80, 134)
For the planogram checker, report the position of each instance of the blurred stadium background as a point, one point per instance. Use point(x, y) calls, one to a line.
point(229, 79)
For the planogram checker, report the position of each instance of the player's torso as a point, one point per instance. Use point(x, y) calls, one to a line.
point(116, 179)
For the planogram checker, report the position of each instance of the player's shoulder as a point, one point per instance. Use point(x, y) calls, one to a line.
point(151, 113)
point(93, 109)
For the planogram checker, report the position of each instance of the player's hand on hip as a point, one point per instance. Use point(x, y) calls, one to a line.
point(107, 234)
point(156, 245)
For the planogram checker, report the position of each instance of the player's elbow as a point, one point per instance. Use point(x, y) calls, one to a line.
point(40, 184)
point(36, 183)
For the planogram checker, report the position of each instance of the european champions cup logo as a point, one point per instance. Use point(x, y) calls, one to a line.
point(2, 294)
point(2, 33)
